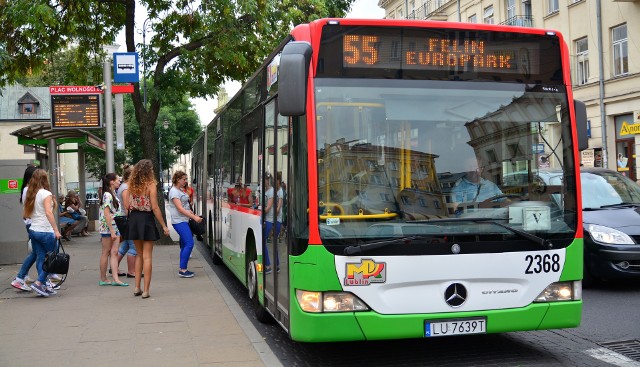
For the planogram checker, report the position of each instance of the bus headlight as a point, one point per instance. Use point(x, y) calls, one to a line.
point(561, 291)
point(329, 301)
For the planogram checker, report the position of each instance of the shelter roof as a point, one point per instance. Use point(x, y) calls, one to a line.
point(40, 134)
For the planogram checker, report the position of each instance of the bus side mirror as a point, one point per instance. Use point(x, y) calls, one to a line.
point(292, 78)
point(581, 124)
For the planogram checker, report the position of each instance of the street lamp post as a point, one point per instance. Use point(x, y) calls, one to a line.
point(145, 28)
point(165, 125)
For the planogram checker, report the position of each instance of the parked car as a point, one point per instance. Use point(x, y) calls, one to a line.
point(611, 217)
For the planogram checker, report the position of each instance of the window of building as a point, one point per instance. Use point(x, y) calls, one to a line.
point(620, 50)
point(28, 104)
point(399, 13)
point(511, 9)
point(29, 149)
point(28, 108)
point(473, 19)
point(582, 61)
point(488, 15)
point(552, 6)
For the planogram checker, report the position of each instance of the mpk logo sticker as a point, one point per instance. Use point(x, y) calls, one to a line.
point(365, 272)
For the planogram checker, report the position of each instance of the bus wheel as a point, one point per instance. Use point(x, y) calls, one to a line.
point(252, 285)
point(215, 258)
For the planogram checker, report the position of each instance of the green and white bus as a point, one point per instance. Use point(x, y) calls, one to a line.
point(385, 179)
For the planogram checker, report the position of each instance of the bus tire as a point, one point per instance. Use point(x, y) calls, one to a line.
point(252, 285)
point(215, 257)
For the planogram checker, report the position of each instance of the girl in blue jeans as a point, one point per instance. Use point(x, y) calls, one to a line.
point(39, 206)
point(27, 263)
point(181, 212)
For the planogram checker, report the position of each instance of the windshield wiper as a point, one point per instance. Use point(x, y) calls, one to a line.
point(622, 204)
point(358, 249)
point(542, 242)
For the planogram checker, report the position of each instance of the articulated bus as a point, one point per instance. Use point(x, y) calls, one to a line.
point(388, 179)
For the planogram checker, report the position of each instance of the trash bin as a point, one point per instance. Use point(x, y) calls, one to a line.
point(92, 207)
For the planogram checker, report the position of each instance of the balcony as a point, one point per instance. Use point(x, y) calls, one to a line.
point(431, 9)
point(519, 21)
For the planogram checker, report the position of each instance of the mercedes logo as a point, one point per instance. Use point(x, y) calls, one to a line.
point(455, 295)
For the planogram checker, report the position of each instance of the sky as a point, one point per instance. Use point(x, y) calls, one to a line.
point(205, 107)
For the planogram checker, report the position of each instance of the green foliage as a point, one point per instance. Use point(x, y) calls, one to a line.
point(33, 30)
point(192, 48)
point(182, 130)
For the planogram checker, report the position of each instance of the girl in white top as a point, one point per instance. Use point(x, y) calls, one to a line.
point(39, 205)
point(27, 263)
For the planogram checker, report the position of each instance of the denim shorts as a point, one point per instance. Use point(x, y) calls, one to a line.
point(128, 247)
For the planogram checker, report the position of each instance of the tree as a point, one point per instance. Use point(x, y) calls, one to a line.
point(195, 46)
point(183, 128)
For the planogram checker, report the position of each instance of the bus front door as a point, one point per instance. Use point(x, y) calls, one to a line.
point(275, 253)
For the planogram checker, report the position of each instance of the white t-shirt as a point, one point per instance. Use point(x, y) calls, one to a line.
point(39, 221)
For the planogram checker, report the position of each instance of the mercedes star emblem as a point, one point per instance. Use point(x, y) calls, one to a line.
point(455, 295)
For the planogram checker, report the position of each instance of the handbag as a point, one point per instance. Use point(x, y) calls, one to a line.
point(57, 262)
point(122, 222)
point(197, 228)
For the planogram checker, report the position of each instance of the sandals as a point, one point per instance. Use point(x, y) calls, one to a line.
point(101, 283)
point(145, 295)
point(121, 284)
point(137, 292)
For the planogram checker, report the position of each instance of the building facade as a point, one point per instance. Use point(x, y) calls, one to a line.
point(603, 38)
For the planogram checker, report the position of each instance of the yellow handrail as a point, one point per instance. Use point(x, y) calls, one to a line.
point(359, 216)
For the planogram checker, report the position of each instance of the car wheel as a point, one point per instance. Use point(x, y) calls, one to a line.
point(588, 280)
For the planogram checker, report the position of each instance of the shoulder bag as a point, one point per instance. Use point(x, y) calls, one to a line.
point(122, 222)
point(57, 262)
point(197, 228)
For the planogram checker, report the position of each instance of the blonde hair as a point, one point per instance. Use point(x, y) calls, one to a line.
point(141, 177)
point(39, 180)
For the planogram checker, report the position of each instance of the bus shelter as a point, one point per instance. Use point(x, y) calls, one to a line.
point(44, 138)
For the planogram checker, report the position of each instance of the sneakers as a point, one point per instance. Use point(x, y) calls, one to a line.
point(55, 277)
point(40, 289)
point(19, 284)
point(52, 285)
point(186, 274)
point(50, 290)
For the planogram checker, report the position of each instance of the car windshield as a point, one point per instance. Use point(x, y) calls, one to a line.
point(602, 189)
point(394, 154)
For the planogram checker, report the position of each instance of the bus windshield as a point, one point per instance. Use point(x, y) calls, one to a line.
point(395, 157)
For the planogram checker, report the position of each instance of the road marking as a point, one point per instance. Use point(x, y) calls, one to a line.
point(611, 357)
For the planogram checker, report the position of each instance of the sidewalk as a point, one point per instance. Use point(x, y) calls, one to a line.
point(185, 322)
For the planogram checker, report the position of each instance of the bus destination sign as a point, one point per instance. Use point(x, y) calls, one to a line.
point(437, 53)
point(75, 111)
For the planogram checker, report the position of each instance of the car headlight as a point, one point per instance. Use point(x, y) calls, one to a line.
point(609, 235)
point(561, 291)
point(329, 301)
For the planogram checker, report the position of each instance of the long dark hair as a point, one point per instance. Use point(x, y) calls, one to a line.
point(26, 178)
point(106, 187)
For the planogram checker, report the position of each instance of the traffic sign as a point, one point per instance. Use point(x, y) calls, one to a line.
point(125, 67)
